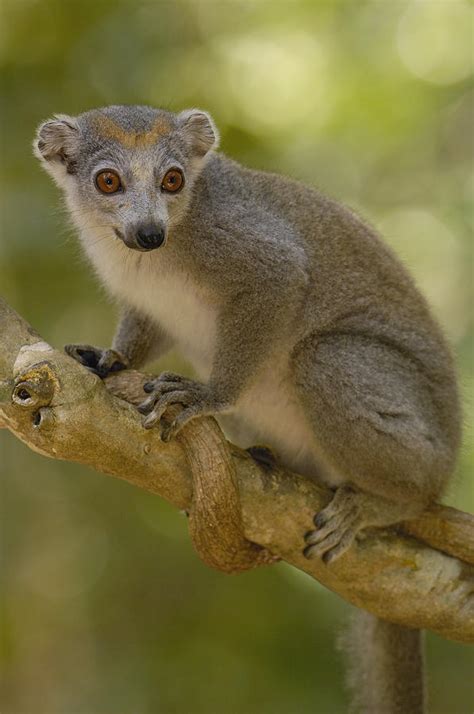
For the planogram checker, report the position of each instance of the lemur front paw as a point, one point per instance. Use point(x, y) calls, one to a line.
point(336, 525)
point(170, 388)
point(99, 361)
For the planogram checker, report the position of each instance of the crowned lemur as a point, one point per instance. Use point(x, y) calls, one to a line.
point(307, 332)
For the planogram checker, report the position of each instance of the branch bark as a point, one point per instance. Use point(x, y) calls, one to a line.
point(419, 575)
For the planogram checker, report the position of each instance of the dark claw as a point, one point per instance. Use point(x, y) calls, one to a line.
point(319, 520)
point(165, 434)
point(307, 534)
point(149, 422)
point(148, 387)
point(310, 550)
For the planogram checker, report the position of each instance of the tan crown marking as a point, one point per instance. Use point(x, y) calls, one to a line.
point(132, 140)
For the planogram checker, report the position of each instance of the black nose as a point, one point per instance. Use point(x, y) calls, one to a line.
point(150, 237)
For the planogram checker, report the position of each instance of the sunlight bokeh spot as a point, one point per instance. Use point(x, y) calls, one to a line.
point(435, 40)
point(278, 81)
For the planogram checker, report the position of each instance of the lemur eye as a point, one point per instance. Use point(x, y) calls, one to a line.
point(173, 181)
point(108, 182)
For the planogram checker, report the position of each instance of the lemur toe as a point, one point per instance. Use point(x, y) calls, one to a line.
point(336, 527)
point(150, 421)
point(343, 545)
point(331, 545)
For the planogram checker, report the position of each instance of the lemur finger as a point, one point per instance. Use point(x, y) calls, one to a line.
point(164, 378)
point(110, 361)
point(162, 404)
point(154, 399)
point(147, 405)
point(158, 388)
point(84, 354)
point(172, 377)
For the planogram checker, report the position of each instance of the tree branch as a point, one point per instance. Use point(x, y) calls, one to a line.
point(419, 575)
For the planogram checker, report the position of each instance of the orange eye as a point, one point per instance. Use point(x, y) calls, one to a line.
point(173, 181)
point(108, 182)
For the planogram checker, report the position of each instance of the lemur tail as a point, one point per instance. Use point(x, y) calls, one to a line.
point(385, 667)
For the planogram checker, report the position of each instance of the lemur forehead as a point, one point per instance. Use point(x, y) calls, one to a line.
point(108, 129)
point(141, 170)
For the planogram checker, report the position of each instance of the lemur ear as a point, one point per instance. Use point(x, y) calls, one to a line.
point(56, 142)
point(199, 130)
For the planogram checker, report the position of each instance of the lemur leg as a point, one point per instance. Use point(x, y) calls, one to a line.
point(137, 340)
point(374, 420)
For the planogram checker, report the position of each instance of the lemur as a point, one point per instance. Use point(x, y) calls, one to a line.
point(306, 331)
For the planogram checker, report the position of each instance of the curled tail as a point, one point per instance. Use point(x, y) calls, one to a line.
point(385, 666)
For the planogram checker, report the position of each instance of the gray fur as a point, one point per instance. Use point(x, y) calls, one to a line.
point(391, 670)
point(306, 330)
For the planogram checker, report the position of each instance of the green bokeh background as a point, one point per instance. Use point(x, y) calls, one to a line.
point(105, 607)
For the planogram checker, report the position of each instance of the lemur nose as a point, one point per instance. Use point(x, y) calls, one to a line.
point(150, 237)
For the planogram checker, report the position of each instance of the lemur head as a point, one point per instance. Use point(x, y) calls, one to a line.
point(127, 171)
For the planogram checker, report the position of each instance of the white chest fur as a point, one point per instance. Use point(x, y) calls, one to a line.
point(269, 412)
point(172, 298)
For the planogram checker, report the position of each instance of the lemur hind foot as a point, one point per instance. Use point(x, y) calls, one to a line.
point(349, 512)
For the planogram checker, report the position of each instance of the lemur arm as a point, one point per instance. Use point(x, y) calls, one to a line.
point(246, 331)
point(139, 339)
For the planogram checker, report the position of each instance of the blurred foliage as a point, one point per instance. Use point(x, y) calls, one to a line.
point(105, 607)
